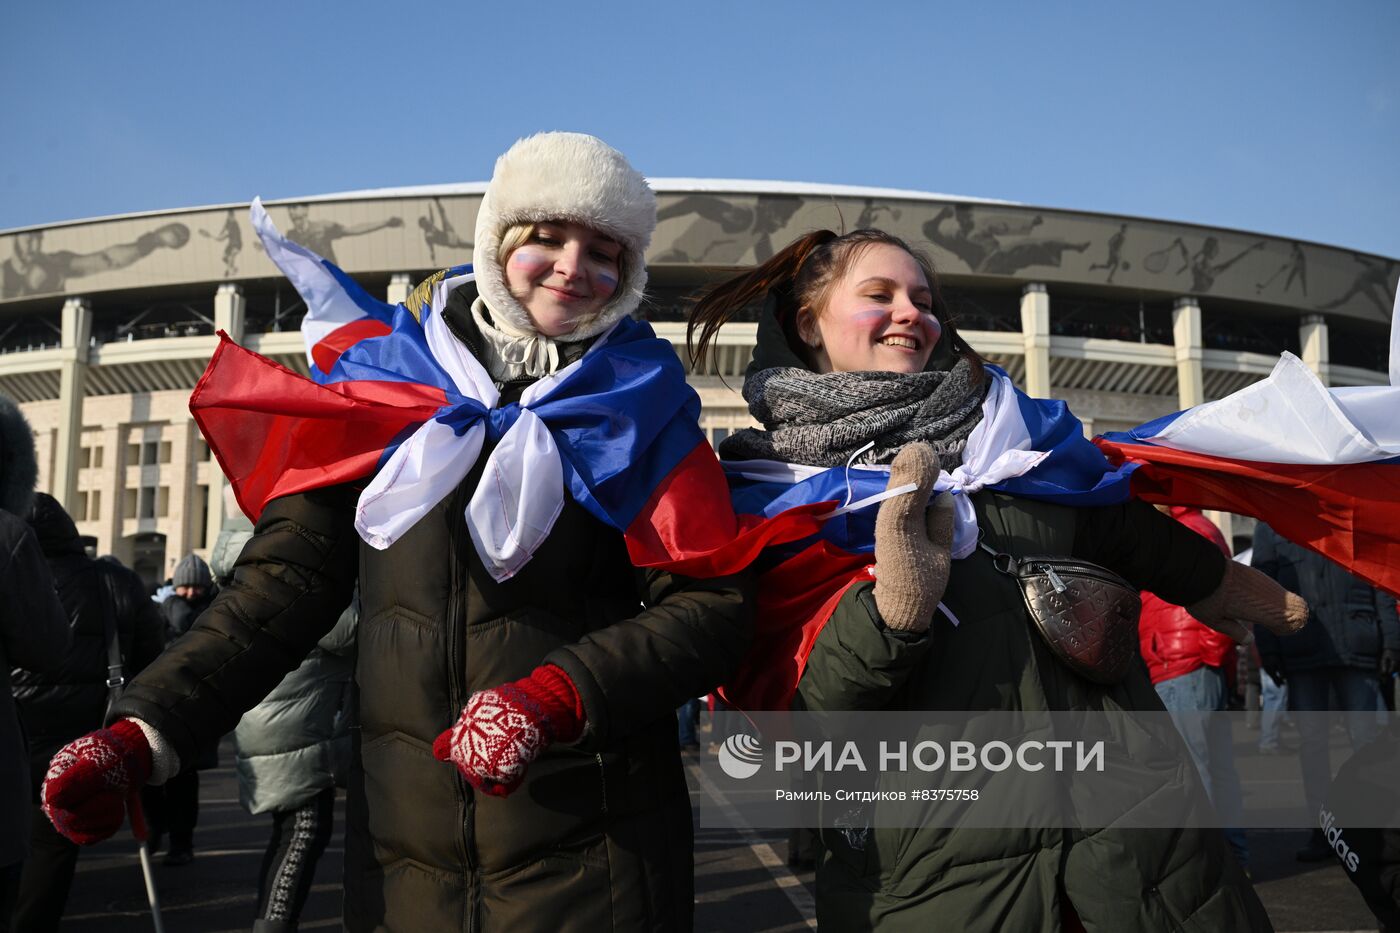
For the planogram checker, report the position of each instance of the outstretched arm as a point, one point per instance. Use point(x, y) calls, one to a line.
point(370, 226)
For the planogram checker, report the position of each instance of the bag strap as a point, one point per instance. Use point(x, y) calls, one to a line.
point(116, 678)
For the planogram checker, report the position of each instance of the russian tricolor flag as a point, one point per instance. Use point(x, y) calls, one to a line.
point(1321, 466)
point(399, 404)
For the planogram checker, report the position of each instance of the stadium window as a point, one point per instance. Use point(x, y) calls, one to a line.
point(162, 502)
point(201, 450)
point(200, 525)
point(166, 450)
point(147, 502)
point(717, 435)
point(133, 454)
point(82, 508)
point(85, 458)
point(150, 451)
point(129, 503)
point(97, 458)
point(95, 505)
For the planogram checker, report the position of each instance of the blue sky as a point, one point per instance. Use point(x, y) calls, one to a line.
point(1281, 117)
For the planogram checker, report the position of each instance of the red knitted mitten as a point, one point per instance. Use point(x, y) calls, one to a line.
point(502, 730)
point(88, 782)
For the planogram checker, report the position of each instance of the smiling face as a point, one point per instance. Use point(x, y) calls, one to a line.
point(563, 274)
point(878, 317)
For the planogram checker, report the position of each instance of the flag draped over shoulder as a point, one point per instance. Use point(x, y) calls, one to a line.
point(1320, 466)
point(406, 408)
point(1022, 446)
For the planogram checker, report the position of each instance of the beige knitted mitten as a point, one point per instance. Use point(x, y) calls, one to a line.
point(1245, 598)
point(912, 542)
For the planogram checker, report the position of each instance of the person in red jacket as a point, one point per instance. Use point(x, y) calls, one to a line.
point(1188, 663)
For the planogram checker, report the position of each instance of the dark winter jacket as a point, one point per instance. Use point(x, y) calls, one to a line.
point(1361, 822)
point(296, 742)
point(599, 835)
point(33, 635)
point(1007, 879)
point(178, 612)
point(998, 880)
point(1350, 622)
point(1173, 643)
point(69, 701)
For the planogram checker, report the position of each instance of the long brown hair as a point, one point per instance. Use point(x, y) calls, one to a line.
point(801, 276)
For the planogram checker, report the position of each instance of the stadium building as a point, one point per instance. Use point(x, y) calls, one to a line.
point(106, 324)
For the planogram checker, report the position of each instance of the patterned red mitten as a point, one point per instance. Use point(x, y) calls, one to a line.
point(88, 782)
point(502, 730)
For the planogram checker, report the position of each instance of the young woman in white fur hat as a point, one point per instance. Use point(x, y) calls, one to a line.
point(551, 692)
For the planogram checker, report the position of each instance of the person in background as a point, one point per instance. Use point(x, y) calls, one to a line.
point(1352, 633)
point(1188, 663)
point(174, 807)
point(688, 717)
point(34, 635)
point(293, 749)
point(59, 705)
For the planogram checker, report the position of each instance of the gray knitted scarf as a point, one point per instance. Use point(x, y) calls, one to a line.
point(822, 419)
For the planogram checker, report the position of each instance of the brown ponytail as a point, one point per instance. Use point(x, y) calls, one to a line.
point(726, 299)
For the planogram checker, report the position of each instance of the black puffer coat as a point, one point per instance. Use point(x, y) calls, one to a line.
point(59, 705)
point(599, 835)
point(34, 633)
point(1349, 624)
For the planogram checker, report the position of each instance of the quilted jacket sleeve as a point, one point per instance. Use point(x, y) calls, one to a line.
point(1153, 551)
point(288, 588)
point(856, 663)
point(690, 637)
point(34, 630)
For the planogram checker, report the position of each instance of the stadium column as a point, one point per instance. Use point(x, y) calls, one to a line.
point(1312, 339)
point(229, 307)
point(229, 314)
point(1191, 377)
point(400, 285)
point(1035, 330)
point(76, 332)
point(1190, 371)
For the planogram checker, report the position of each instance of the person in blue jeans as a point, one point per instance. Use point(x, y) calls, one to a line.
point(1352, 635)
point(689, 717)
point(1187, 662)
point(1274, 699)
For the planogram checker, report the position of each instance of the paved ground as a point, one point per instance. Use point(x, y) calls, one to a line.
point(742, 879)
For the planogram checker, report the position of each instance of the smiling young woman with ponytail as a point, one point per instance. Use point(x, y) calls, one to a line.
point(857, 360)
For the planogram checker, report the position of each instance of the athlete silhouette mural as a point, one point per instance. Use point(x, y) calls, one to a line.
point(232, 238)
point(32, 271)
point(720, 229)
point(320, 235)
point(1115, 255)
point(1296, 265)
point(1000, 245)
point(1372, 282)
point(439, 232)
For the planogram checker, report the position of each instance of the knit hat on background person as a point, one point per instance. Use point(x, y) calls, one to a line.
point(573, 177)
point(192, 571)
point(19, 468)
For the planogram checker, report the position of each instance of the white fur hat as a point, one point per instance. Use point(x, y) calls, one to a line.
point(565, 176)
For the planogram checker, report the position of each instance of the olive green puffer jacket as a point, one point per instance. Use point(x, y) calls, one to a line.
point(997, 880)
point(599, 835)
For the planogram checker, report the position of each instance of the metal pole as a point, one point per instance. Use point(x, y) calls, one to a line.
point(138, 829)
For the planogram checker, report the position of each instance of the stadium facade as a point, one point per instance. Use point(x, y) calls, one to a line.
point(106, 324)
